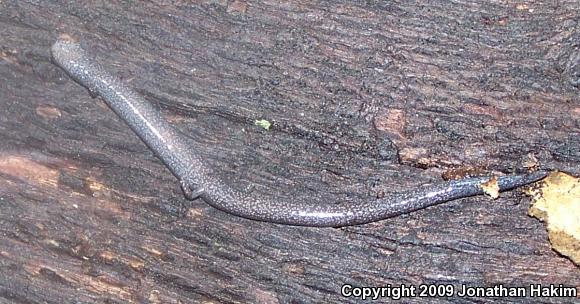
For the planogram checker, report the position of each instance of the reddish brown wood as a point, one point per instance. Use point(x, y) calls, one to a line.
point(365, 98)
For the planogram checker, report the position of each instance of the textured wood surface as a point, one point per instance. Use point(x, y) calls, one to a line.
point(365, 98)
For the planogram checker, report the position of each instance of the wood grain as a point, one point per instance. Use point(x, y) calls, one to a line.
point(365, 98)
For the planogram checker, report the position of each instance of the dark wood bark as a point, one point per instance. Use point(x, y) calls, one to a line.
point(365, 98)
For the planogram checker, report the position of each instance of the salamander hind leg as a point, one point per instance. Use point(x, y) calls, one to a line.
point(190, 190)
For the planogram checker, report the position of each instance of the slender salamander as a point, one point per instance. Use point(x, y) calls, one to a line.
point(198, 180)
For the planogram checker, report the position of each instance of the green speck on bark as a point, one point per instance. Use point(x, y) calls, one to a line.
point(262, 123)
